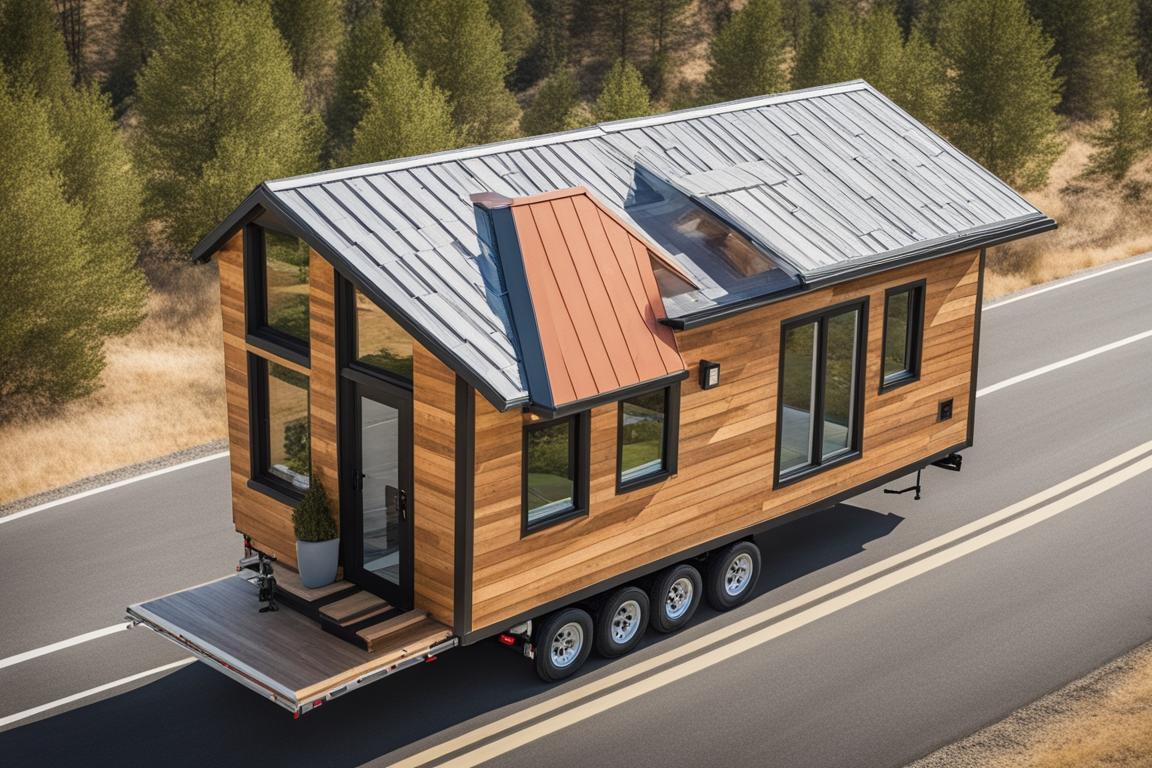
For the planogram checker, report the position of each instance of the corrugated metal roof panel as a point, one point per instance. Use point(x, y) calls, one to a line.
point(828, 179)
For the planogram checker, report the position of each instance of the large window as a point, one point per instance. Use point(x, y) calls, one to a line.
point(277, 300)
point(280, 438)
point(647, 438)
point(380, 341)
point(555, 471)
point(820, 394)
point(903, 334)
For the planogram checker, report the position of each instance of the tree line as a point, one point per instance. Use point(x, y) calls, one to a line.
point(133, 125)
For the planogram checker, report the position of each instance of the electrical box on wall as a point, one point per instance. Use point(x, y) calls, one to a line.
point(945, 411)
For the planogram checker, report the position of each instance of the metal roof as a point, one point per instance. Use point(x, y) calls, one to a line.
point(828, 182)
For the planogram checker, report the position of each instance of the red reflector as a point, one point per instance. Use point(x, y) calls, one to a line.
point(507, 639)
point(296, 715)
point(430, 659)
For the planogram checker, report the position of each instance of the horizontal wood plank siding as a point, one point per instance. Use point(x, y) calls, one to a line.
point(727, 447)
point(434, 478)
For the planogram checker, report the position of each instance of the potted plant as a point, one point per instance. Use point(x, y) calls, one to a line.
point(317, 540)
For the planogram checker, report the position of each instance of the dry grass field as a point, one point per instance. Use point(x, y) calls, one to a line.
point(163, 388)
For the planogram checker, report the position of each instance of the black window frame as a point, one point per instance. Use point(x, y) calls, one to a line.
point(914, 336)
point(579, 457)
point(257, 330)
point(350, 319)
point(259, 439)
point(856, 447)
point(671, 442)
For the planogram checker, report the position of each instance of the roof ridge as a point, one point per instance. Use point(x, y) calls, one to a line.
point(593, 131)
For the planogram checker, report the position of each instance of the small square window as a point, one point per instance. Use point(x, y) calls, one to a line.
point(645, 428)
point(555, 471)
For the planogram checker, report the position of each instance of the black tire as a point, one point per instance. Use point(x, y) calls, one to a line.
point(732, 575)
point(671, 612)
point(578, 625)
point(621, 621)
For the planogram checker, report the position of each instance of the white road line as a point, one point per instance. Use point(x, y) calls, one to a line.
point(36, 653)
point(1062, 363)
point(753, 621)
point(110, 486)
point(572, 716)
point(1027, 294)
point(18, 716)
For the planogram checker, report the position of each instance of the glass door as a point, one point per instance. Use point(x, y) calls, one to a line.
point(377, 525)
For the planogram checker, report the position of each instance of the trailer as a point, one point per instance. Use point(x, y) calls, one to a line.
point(556, 386)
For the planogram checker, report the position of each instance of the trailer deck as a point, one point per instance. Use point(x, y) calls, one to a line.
point(283, 655)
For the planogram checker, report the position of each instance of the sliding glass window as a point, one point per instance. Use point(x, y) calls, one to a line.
point(820, 394)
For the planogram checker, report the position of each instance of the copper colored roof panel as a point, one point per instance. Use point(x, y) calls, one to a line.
point(596, 305)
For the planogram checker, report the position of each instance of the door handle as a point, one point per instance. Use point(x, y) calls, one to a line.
point(402, 503)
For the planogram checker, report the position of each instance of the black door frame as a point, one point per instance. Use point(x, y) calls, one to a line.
point(357, 380)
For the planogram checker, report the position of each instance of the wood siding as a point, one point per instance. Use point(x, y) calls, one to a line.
point(727, 447)
point(434, 478)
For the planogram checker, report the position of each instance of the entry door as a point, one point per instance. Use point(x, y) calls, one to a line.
point(378, 528)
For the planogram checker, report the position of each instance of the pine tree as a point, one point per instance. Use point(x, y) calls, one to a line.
point(32, 49)
point(1128, 135)
point(459, 43)
point(669, 23)
point(364, 47)
point(622, 94)
point(406, 114)
point(1144, 40)
point(74, 29)
point(312, 29)
point(517, 26)
point(1094, 40)
point(557, 106)
point(553, 35)
point(219, 111)
point(98, 177)
point(747, 55)
point(54, 273)
point(135, 42)
point(1003, 90)
point(846, 46)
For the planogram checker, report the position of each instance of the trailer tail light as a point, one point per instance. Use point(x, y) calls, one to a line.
point(507, 639)
point(430, 659)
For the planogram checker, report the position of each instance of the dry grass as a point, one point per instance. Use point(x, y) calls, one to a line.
point(1099, 222)
point(163, 390)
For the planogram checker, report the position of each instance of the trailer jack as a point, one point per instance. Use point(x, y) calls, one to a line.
point(952, 462)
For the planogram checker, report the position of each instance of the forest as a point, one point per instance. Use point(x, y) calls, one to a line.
point(130, 128)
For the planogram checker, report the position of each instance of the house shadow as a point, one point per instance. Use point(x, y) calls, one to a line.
point(197, 717)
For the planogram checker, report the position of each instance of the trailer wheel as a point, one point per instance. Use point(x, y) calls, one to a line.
point(732, 575)
point(621, 621)
point(563, 644)
point(675, 595)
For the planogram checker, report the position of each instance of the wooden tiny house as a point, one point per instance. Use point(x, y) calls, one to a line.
point(545, 383)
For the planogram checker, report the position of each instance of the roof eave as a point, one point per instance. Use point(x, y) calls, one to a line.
point(981, 237)
point(611, 396)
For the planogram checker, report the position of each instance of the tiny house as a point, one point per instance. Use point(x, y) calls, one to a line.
point(553, 387)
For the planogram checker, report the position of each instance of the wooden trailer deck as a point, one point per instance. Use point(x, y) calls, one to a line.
point(284, 655)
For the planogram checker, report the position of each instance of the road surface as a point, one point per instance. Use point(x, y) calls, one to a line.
point(883, 630)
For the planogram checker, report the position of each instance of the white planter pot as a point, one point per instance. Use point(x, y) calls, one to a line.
point(317, 561)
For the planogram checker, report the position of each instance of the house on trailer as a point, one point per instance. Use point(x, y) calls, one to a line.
point(554, 386)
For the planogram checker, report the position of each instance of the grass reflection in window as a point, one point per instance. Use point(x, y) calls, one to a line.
point(550, 485)
point(642, 430)
point(380, 341)
point(288, 434)
point(286, 284)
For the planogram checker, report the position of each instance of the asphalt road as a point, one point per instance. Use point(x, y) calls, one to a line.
point(877, 680)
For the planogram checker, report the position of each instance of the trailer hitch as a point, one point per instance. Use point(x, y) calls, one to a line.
point(952, 462)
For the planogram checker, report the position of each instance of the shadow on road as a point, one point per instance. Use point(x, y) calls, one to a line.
point(198, 717)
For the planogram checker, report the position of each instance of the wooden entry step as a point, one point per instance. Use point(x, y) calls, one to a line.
point(291, 591)
point(409, 633)
point(354, 609)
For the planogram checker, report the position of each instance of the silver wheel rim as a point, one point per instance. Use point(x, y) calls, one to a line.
point(626, 622)
point(739, 574)
point(567, 644)
point(679, 598)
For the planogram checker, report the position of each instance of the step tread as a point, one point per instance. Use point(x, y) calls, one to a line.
point(289, 581)
point(376, 632)
point(354, 608)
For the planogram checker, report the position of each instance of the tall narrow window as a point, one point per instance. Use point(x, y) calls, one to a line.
point(555, 470)
point(279, 406)
point(820, 394)
point(647, 427)
point(903, 334)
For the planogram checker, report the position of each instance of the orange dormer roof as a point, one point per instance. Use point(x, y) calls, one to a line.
point(594, 301)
